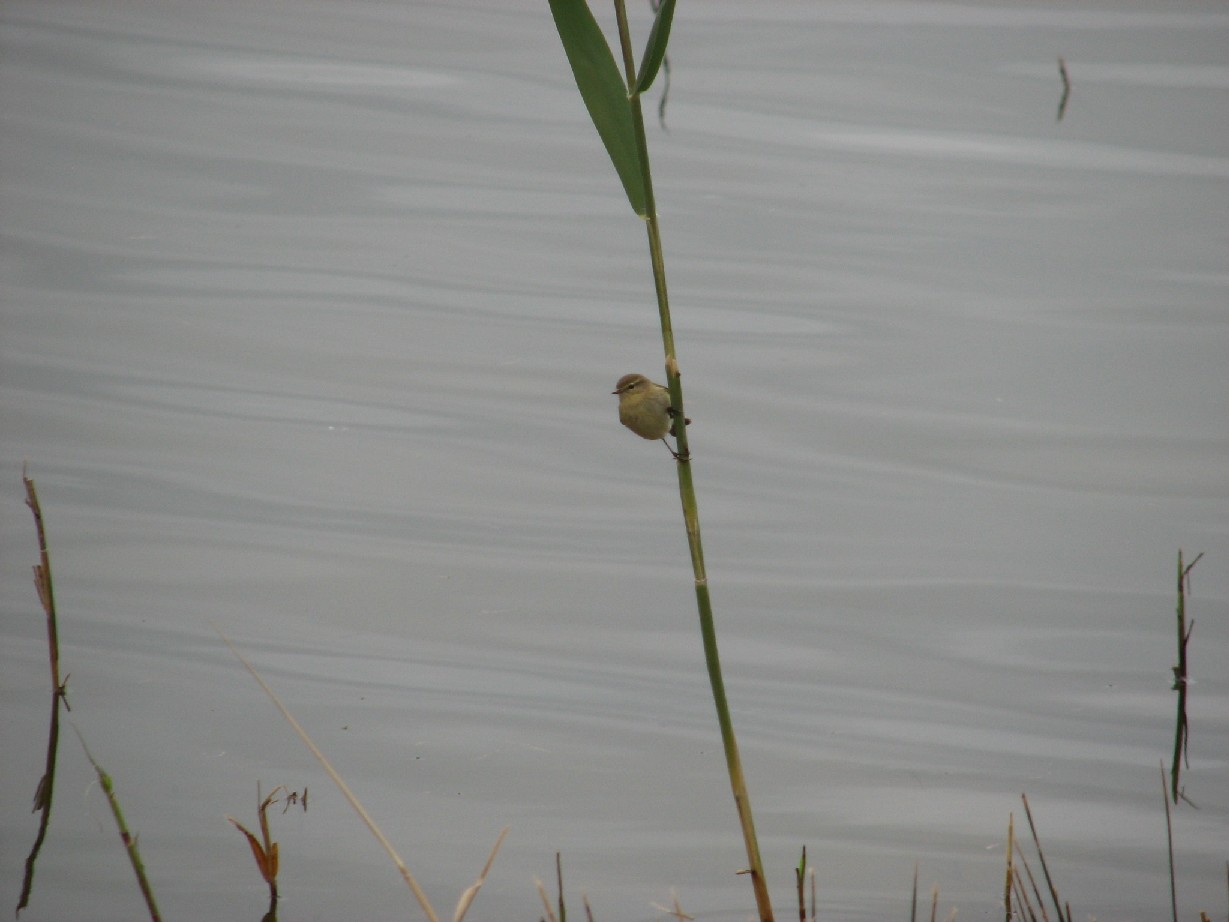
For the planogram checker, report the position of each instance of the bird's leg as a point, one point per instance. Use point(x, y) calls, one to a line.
point(681, 459)
point(674, 415)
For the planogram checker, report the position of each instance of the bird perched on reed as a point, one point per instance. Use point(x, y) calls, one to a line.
point(644, 408)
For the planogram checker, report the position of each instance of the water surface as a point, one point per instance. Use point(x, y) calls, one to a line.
point(310, 318)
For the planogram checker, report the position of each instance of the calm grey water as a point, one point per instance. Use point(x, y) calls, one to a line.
point(310, 315)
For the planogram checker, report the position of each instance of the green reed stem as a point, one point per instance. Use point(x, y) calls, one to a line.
point(687, 494)
point(129, 840)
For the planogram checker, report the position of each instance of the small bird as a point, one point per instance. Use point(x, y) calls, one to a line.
point(644, 408)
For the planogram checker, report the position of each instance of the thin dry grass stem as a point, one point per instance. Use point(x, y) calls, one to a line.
point(337, 780)
point(675, 909)
point(934, 903)
point(584, 899)
point(913, 904)
point(1169, 840)
point(1023, 908)
point(1045, 869)
point(563, 910)
point(1032, 883)
point(129, 840)
point(1025, 900)
point(467, 897)
point(550, 913)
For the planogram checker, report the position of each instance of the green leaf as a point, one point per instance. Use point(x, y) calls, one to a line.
point(655, 48)
point(603, 91)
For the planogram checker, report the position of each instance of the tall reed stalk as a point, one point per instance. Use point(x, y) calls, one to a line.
point(614, 105)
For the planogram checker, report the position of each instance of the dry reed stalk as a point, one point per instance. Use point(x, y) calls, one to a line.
point(354, 801)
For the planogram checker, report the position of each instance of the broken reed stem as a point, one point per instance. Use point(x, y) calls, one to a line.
point(43, 795)
point(45, 791)
point(42, 582)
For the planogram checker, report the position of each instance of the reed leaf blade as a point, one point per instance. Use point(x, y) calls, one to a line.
point(655, 48)
point(603, 91)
